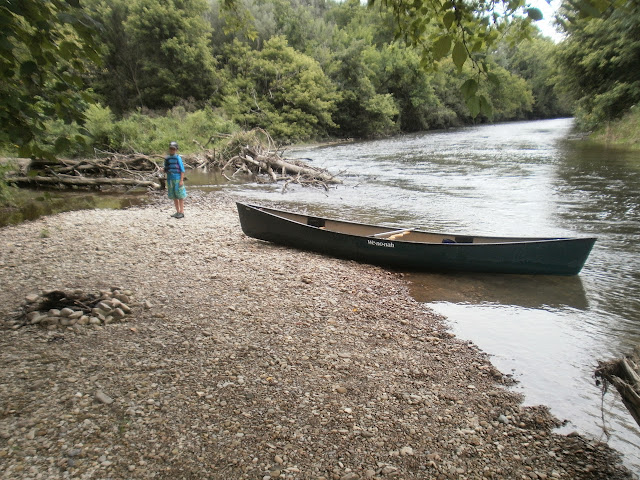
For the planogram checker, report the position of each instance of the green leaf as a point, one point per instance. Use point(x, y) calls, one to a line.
point(441, 47)
point(478, 46)
point(486, 107)
point(459, 55)
point(534, 14)
point(469, 88)
point(448, 19)
point(493, 78)
point(587, 9)
point(473, 104)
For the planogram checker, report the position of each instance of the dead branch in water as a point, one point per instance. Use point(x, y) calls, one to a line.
point(624, 374)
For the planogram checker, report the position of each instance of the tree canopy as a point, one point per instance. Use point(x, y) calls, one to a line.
point(302, 69)
point(45, 48)
point(600, 60)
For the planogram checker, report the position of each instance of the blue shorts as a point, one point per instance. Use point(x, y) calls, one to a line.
point(176, 191)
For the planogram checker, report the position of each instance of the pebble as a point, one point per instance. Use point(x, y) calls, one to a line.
point(103, 397)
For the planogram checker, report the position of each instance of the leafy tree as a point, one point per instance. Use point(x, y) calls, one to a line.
point(510, 96)
point(398, 73)
point(279, 89)
point(361, 112)
point(463, 30)
point(300, 22)
point(156, 53)
point(44, 50)
point(534, 61)
point(599, 62)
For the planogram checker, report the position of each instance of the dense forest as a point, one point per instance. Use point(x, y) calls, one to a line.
point(127, 75)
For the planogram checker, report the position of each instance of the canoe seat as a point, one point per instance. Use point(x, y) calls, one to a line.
point(393, 234)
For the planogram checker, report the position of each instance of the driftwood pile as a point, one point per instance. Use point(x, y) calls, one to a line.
point(110, 171)
point(247, 153)
point(624, 374)
point(259, 163)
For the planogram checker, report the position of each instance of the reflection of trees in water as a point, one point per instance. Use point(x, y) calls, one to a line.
point(41, 204)
point(599, 192)
point(601, 186)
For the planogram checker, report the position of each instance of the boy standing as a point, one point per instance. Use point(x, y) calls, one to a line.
point(174, 168)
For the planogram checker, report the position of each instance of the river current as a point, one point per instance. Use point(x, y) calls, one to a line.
point(521, 179)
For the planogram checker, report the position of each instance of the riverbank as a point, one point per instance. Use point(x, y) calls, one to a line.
point(623, 133)
point(242, 359)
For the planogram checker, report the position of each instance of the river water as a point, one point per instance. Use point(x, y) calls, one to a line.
point(528, 178)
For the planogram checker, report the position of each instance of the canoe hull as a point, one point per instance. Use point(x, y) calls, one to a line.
point(537, 256)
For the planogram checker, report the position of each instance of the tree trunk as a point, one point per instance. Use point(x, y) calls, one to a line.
point(67, 180)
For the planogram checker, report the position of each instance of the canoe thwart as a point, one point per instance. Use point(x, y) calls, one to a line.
point(395, 233)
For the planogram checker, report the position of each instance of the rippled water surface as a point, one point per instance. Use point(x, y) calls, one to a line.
point(526, 178)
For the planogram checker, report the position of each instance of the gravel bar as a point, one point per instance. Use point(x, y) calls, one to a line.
point(243, 359)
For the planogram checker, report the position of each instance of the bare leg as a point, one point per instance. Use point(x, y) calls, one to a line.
point(180, 205)
point(176, 202)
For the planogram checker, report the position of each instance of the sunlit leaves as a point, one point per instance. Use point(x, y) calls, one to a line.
point(279, 89)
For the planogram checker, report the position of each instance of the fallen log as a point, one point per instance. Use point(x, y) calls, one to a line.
point(69, 180)
point(287, 168)
point(624, 374)
point(269, 162)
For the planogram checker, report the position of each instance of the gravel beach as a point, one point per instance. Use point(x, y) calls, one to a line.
point(242, 359)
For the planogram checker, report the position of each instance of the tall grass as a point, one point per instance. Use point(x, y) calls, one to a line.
point(137, 132)
point(624, 133)
point(149, 133)
point(6, 191)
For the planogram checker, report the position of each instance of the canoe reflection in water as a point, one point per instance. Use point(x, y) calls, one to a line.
point(528, 291)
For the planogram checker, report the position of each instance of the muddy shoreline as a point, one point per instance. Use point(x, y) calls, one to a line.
point(242, 359)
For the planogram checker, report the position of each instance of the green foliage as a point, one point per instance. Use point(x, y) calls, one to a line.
point(299, 69)
point(44, 51)
point(6, 191)
point(462, 31)
point(600, 62)
point(280, 90)
point(156, 53)
point(534, 62)
point(362, 111)
point(397, 72)
point(140, 132)
point(509, 96)
point(623, 133)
